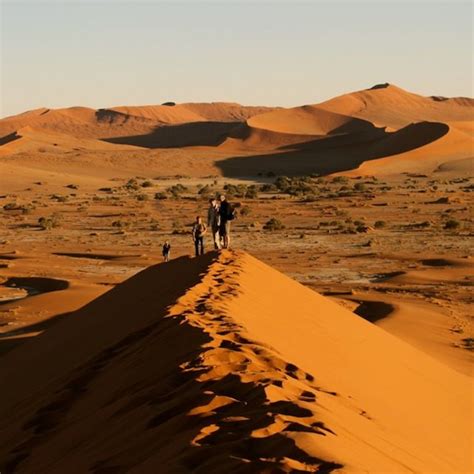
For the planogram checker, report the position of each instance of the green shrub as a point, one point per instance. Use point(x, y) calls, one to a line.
point(11, 206)
point(251, 192)
point(59, 198)
point(132, 185)
point(121, 224)
point(205, 190)
point(245, 211)
point(47, 223)
point(161, 196)
point(268, 188)
point(310, 198)
point(176, 190)
point(273, 224)
point(340, 179)
point(362, 228)
point(380, 224)
point(452, 224)
point(360, 187)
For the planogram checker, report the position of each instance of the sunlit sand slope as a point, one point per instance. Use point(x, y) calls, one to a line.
point(222, 364)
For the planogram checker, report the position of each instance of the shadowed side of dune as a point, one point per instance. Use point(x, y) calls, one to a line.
point(151, 377)
point(37, 284)
point(182, 135)
point(34, 286)
point(336, 153)
point(222, 364)
point(374, 311)
point(9, 138)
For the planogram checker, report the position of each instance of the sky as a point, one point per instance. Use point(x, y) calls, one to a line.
point(108, 53)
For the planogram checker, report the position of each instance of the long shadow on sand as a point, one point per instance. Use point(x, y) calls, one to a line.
point(183, 135)
point(105, 390)
point(335, 153)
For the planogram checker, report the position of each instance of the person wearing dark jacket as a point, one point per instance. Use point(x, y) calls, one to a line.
point(166, 251)
point(199, 229)
point(226, 215)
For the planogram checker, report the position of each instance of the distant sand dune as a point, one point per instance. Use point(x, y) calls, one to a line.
point(381, 130)
point(308, 120)
point(394, 107)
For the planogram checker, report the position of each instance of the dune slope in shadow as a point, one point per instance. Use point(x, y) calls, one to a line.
point(335, 153)
point(193, 366)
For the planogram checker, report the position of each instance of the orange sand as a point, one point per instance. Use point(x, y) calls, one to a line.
point(195, 366)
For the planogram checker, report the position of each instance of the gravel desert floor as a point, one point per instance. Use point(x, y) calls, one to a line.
point(396, 251)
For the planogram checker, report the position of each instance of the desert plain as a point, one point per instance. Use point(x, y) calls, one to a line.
point(335, 335)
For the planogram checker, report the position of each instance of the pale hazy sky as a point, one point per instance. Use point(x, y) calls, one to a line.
point(106, 53)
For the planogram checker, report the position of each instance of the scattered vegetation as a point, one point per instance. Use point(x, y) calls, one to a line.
point(121, 224)
point(47, 223)
point(273, 225)
point(360, 187)
point(132, 185)
point(380, 224)
point(245, 211)
point(452, 224)
point(176, 190)
point(23, 208)
point(59, 197)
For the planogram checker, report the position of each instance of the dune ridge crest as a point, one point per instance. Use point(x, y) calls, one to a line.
point(359, 132)
point(189, 366)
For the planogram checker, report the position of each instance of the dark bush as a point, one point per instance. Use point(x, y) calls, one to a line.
point(245, 211)
point(452, 224)
point(47, 223)
point(273, 224)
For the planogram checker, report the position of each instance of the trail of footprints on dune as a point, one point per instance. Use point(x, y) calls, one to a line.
point(253, 397)
point(283, 398)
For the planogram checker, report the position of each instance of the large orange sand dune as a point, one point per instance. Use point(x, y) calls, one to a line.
point(381, 130)
point(194, 366)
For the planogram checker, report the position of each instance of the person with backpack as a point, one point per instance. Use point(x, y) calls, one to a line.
point(213, 221)
point(199, 229)
point(166, 251)
point(227, 214)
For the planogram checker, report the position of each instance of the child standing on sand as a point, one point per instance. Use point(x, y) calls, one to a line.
point(199, 229)
point(166, 251)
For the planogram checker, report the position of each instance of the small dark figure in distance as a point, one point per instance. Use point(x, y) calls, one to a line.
point(199, 229)
point(166, 251)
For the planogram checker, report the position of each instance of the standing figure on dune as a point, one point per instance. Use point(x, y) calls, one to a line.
point(213, 222)
point(226, 215)
point(199, 229)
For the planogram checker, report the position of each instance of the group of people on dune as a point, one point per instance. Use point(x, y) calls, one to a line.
point(219, 215)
